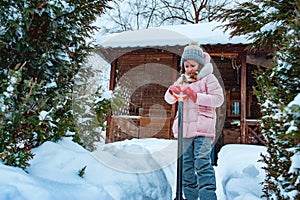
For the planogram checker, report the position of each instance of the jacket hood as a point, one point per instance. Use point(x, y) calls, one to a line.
point(206, 70)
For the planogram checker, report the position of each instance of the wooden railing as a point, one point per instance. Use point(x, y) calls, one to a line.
point(253, 134)
point(128, 127)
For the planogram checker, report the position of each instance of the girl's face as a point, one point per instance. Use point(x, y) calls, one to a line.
point(191, 67)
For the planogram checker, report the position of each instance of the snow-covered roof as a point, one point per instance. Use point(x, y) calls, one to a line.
point(204, 33)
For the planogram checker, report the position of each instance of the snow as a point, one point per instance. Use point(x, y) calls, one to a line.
point(296, 101)
point(270, 26)
point(105, 95)
point(238, 172)
point(204, 33)
point(51, 85)
point(44, 115)
point(131, 169)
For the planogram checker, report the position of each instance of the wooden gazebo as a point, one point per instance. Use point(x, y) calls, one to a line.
point(146, 62)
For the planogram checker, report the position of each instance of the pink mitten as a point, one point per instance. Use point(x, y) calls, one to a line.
point(174, 89)
point(190, 93)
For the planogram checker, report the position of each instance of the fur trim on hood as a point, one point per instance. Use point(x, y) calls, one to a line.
point(206, 70)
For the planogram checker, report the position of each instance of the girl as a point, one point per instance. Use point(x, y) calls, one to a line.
point(203, 94)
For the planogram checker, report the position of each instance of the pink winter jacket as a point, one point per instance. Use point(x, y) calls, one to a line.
point(199, 118)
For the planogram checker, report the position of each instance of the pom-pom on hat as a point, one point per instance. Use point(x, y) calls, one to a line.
point(192, 52)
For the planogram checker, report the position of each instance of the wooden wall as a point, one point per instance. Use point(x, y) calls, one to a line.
point(149, 94)
point(149, 114)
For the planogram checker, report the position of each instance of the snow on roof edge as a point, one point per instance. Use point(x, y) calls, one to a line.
point(204, 33)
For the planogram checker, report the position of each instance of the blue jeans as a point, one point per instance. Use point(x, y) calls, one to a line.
point(198, 173)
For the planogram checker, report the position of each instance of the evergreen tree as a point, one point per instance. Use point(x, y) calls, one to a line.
point(92, 102)
point(275, 25)
point(42, 46)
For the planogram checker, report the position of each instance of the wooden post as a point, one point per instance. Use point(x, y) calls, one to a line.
point(112, 75)
point(243, 97)
point(111, 87)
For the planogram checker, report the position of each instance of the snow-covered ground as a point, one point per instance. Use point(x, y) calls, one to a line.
point(135, 169)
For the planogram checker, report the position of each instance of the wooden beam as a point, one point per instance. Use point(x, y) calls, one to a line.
point(236, 48)
point(243, 97)
point(224, 55)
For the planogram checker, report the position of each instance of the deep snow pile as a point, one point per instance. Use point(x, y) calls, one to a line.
point(53, 173)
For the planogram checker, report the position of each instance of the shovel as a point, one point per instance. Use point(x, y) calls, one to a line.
point(179, 196)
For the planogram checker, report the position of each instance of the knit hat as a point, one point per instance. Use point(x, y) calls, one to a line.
point(192, 52)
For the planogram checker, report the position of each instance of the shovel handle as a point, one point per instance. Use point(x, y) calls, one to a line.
point(180, 96)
